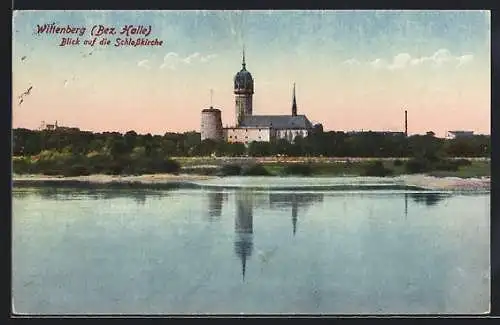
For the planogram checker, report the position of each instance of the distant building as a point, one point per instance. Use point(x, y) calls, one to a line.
point(459, 134)
point(55, 127)
point(249, 127)
point(394, 133)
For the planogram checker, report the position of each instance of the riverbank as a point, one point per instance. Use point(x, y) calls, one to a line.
point(417, 181)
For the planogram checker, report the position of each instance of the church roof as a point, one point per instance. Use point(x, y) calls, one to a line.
point(276, 121)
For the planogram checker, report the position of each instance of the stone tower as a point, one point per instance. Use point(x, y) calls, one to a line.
point(211, 124)
point(243, 91)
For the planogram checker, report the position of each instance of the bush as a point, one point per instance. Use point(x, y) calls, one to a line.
point(254, 170)
point(297, 169)
point(463, 162)
point(447, 165)
point(169, 166)
point(230, 170)
point(22, 166)
point(398, 162)
point(377, 169)
point(200, 171)
point(53, 172)
point(114, 169)
point(417, 165)
point(76, 170)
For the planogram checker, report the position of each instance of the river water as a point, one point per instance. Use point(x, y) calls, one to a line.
point(219, 250)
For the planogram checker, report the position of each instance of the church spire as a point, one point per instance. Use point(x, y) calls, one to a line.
point(294, 102)
point(243, 61)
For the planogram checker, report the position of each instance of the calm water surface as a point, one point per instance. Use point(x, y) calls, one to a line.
point(249, 251)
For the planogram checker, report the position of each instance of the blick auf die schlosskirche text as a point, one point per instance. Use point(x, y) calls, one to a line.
point(122, 36)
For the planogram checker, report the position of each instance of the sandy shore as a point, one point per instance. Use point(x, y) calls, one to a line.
point(421, 181)
point(446, 183)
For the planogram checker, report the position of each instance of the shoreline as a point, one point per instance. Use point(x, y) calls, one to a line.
point(166, 181)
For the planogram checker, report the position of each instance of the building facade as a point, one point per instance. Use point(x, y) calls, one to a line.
point(248, 134)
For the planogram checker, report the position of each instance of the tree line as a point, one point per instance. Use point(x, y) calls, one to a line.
point(328, 144)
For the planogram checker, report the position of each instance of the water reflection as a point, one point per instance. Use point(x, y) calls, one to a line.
point(66, 193)
point(215, 203)
point(245, 201)
point(406, 204)
point(429, 198)
point(243, 228)
point(294, 200)
point(338, 262)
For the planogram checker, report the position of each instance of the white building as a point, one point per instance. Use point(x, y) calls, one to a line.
point(459, 134)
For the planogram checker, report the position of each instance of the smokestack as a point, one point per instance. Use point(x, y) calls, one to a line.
point(406, 123)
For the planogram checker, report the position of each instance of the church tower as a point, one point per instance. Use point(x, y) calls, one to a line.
point(294, 102)
point(243, 91)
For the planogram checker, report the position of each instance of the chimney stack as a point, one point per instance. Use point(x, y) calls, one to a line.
point(406, 123)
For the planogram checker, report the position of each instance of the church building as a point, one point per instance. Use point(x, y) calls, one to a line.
point(249, 127)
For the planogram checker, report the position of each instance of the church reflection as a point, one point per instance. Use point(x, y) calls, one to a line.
point(245, 204)
point(295, 201)
point(243, 228)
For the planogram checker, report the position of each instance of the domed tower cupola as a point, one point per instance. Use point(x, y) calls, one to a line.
point(243, 81)
point(243, 91)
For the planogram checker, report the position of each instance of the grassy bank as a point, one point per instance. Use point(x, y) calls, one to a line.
point(333, 168)
point(65, 164)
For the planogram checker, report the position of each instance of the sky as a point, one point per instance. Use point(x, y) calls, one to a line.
point(354, 70)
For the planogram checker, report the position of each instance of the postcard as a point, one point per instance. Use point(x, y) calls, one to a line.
point(251, 162)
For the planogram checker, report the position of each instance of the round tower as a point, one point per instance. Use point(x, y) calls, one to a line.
point(211, 124)
point(243, 91)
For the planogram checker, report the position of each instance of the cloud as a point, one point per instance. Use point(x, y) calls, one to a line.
point(207, 58)
point(465, 59)
point(191, 57)
point(143, 64)
point(440, 58)
point(400, 61)
point(172, 59)
point(378, 64)
point(352, 61)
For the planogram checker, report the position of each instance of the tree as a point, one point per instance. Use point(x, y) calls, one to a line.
point(259, 149)
point(130, 139)
point(117, 147)
point(206, 147)
point(167, 147)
